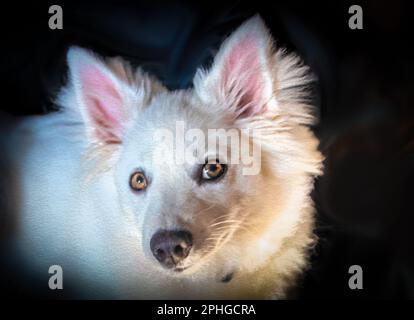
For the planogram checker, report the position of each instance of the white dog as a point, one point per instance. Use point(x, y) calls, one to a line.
point(91, 197)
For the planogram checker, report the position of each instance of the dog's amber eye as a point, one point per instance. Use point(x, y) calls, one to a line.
point(213, 171)
point(138, 181)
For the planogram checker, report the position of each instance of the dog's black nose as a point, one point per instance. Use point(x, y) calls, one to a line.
point(171, 247)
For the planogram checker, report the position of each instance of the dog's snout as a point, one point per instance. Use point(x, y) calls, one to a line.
point(171, 247)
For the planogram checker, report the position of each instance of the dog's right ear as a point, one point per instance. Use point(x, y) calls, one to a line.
point(104, 100)
point(239, 78)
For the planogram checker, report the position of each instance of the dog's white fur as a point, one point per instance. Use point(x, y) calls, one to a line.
point(75, 207)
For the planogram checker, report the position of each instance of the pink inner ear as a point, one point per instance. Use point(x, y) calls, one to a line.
point(104, 104)
point(243, 74)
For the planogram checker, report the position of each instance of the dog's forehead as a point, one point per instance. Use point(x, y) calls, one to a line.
point(179, 110)
point(176, 115)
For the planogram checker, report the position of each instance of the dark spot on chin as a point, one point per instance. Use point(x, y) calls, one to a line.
point(228, 277)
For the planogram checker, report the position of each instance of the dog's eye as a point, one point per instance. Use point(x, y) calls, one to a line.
point(213, 171)
point(138, 181)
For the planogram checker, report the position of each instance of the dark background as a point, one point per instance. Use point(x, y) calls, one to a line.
point(364, 96)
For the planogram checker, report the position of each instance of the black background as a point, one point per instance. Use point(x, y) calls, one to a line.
point(364, 96)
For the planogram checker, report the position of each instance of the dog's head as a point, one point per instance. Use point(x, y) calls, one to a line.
point(192, 199)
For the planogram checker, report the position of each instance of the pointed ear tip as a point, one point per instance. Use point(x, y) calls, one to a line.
point(74, 51)
point(255, 21)
point(254, 24)
point(77, 54)
point(257, 18)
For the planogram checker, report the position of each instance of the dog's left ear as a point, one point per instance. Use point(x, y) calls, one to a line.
point(240, 77)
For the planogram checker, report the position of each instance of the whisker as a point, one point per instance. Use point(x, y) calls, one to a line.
point(221, 222)
point(205, 209)
point(219, 217)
